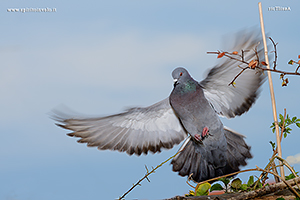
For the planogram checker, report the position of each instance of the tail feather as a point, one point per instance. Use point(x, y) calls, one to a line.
point(191, 160)
point(237, 149)
point(186, 165)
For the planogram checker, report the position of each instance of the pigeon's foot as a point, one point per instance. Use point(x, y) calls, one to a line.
point(198, 137)
point(205, 132)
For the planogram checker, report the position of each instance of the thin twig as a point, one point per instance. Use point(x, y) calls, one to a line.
point(275, 52)
point(275, 171)
point(255, 50)
point(189, 179)
point(231, 57)
point(243, 58)
point(283, 125)
point(297, 69)
point(233, 80)
point(290, 187)
point(287, 165)
point(279, 71)
point(148, 173)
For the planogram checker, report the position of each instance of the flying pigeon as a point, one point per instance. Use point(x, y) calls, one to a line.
point(191, 111)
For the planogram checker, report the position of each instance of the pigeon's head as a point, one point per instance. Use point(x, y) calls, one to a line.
point(180, 75)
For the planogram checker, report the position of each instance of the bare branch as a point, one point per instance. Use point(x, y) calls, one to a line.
point(232, 82)
point(297, 69)
point(275, 53)
point(148, 173)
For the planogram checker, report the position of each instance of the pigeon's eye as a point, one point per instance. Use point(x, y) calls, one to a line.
point(180, 74)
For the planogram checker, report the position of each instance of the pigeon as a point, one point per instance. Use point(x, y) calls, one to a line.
point(191, 112)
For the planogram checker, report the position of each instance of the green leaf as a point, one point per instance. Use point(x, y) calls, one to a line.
point(216, 186)
point(251, 178)
point(289, 177)
point(288, 130)
point(281, 117)
point(203, 189)
point(285, 135)
point(280, 198)
point(244, 187)
point(225, 181)
point(259, 185)
point(236, 184)
point(298, 124)
point(190, 194)
point(294, 119)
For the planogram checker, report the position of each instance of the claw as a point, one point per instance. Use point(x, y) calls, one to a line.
point(198, 137)
point(205, 132)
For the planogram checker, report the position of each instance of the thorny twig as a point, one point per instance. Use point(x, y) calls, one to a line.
point(148, 173)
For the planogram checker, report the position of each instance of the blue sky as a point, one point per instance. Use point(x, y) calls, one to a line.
point(99, 57)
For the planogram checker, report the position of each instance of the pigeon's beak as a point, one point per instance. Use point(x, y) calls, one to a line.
point(175, 81)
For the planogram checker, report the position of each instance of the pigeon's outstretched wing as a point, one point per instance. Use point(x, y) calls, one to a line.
point(136, 131)
point(227, 100)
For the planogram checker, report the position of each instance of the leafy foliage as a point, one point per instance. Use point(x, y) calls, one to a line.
point(250, 181)
point(216, 186)
point(225, 181)
point(284, 124)
point(291, 176)
point(236, 184)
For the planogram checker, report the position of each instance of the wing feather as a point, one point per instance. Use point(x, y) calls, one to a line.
point(227, 100)
point(135, 131)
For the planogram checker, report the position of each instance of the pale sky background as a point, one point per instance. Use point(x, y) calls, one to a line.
point(99, 57)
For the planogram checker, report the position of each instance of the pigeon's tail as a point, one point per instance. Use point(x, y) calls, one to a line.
point(237, 149)
point(191, 161)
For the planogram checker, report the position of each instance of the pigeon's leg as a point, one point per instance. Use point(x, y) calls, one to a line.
point(198, 137)
point(205, 132)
